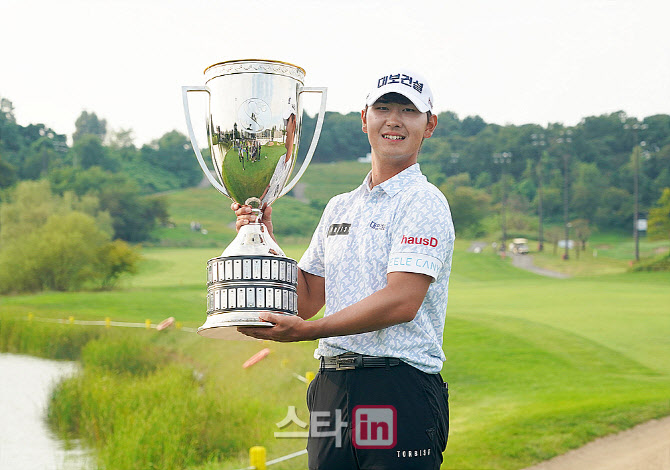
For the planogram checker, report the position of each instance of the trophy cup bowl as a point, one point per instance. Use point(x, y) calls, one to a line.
point(253, 126)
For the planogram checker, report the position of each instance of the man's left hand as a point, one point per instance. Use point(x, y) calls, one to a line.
point(287, 328)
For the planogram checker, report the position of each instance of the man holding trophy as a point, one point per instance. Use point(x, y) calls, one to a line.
point(379, 261)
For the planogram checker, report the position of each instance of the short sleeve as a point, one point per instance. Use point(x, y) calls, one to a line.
point(313, 260)
point(422, 238)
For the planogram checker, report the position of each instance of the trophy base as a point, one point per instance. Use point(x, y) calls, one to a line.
point(241, 287)
point(224, 326)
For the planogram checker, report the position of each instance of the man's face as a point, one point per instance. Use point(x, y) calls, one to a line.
point(395, 130)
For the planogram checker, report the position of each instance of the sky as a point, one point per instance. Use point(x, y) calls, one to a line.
point(508, 61)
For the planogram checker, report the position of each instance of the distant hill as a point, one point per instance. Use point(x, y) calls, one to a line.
point(294, 220)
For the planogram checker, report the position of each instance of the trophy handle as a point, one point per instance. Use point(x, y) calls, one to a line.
point(194, 142)
point(315, 137)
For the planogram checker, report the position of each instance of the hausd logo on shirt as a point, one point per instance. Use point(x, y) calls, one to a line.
point(419, 241)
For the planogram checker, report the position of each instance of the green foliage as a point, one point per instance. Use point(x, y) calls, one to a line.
point(469, 206)
point(42, 156)
point(7, 174)
point(161, 420)
point(127, 354)
point(616, 209)
point(659, 218)
point(88, 152)
point(150, 179)
point(659, 263)
point(48, 242)
point(115, 259)
point(50, 340)
point(30, 204)
point(173, 154)
point(88, 124)
point(133, 216)
point(59, 255)
point(599, 170)
point(292, 218)
point(341, 138)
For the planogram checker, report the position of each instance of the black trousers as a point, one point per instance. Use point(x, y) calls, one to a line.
point(377, 418)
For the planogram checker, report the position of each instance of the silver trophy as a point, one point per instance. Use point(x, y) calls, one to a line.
point(253, 127)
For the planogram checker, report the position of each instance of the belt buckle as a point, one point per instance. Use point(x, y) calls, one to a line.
point(345, 362)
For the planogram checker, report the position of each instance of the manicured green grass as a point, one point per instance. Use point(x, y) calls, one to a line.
point(536, 366)
point(294, 220)
point(324, 180)
point(550, 364)
point(206, 206)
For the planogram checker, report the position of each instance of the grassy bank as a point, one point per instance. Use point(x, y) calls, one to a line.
point(536, 366)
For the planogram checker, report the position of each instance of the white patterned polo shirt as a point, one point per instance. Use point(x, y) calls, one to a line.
point(403, 224)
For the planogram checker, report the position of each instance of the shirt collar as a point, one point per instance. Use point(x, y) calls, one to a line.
point(397, 183)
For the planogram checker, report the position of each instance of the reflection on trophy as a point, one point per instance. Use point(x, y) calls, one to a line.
point(253, 125)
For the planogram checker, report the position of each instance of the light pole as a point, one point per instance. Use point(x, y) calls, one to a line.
point(637, 149)
point(565, 137)
point(538, 140)
point(503, 159)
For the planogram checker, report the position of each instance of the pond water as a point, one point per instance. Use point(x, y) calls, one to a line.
point(26, 442)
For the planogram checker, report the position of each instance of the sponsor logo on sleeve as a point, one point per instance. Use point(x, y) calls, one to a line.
point(432, 241)
point(339, 229)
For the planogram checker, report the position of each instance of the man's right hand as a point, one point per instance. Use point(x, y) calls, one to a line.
point(244, 216)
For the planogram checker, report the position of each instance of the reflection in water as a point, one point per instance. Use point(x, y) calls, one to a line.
point(25, 440)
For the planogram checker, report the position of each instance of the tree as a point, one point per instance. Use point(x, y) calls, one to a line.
point(659, 218)
point(88, 152)
point(173, 153)
point(582, 231)
point(472, 125)
point(341, 138)
point(133, 216)
point(587, 190)
point(469, 207)
point(615, 208)
point(40, 157)
point(7, 174)
point(10, 137)
point(89, 124)
point(122, 139)
point(115, 259)
point(28, 207)
point(48, 242)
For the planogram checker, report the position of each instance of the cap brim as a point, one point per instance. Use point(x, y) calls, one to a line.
point(374, 96)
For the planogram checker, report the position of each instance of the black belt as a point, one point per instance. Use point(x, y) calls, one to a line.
point(348, 361)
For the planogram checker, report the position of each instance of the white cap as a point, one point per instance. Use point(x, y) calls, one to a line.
point(409, 84)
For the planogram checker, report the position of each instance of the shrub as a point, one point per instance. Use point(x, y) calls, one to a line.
point(47, 242)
